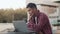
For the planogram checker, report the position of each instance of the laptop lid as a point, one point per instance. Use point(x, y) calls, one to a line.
point(21, 26)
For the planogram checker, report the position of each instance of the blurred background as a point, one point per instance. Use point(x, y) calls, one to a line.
point(15, 11)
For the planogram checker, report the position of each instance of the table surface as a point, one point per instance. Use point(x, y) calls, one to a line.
point(15, 33)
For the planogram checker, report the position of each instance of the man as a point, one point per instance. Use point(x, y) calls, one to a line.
point(38, 21)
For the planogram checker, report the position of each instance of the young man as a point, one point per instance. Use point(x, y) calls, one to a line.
point(38, 21)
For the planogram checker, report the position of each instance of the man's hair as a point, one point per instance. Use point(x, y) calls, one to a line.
point(31, 5)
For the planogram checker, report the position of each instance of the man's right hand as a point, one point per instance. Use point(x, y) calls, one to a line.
point(31, 16)
point(40, 33)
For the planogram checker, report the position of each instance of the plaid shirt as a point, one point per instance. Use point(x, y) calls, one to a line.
point(43, 24)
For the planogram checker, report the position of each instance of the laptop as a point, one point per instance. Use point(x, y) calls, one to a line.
point(21, 26)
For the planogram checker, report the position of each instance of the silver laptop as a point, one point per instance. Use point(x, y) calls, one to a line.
point(21, 26)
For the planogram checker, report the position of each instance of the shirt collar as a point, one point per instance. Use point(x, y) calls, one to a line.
point(38, 13)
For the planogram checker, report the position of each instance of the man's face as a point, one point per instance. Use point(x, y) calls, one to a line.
point(31, 11)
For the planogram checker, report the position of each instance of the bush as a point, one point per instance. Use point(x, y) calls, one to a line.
point(8, 15)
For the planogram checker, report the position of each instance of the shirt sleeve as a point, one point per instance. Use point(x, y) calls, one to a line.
point(41, 23)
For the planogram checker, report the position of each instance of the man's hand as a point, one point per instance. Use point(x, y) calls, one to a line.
point(30, 26)
point(40, 33)
point(31, 16)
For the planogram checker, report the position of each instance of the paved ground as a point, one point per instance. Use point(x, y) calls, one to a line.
point(4, 27)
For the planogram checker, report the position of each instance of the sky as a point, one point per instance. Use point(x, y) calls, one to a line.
point(12, 4)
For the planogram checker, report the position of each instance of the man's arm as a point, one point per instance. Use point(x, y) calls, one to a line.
point(41, 22)
point(30, 22)
point(43, 19)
